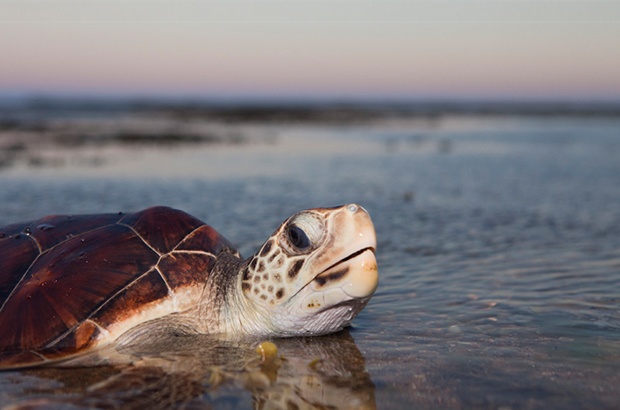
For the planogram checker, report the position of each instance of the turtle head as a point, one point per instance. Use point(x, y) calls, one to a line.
point(315, 273)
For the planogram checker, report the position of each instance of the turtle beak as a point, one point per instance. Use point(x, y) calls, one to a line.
point(355, 273)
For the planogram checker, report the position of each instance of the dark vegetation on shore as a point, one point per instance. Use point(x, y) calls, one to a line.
point(309, 111)
point(31, 128)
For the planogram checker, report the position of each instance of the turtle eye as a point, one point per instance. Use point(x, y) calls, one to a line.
point(298, 237)
point(303, 232)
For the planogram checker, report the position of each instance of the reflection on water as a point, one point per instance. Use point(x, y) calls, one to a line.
point(498, 255)
point(194, 371)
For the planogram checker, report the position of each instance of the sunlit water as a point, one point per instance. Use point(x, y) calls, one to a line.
point(499, 262)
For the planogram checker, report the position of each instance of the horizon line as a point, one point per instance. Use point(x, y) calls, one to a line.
point(292, 98)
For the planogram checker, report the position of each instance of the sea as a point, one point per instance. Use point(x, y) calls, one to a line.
point(498, 229)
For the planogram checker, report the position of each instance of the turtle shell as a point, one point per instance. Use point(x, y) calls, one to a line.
point(69, 282)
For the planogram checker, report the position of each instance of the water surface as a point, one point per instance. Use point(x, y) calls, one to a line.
point(498, 253)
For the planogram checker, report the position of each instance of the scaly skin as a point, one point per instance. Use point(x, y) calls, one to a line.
point(311, 277)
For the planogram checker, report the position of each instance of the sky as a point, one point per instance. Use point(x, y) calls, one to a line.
point(381, 49)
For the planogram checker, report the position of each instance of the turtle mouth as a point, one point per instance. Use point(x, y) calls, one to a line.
point(355, 275)
point(332, 273)
point(346, 259)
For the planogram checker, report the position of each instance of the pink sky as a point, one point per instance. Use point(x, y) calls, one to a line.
point(413, 49)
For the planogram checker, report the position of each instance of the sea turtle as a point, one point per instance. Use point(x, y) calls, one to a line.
point(70, 284)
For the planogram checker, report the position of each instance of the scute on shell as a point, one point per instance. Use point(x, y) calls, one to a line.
point(64, 279)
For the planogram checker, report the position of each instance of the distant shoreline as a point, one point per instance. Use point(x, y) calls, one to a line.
point(299, 110)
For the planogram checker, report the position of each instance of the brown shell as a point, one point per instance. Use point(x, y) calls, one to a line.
point(64, 278)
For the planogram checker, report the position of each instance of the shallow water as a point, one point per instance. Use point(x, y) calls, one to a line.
point(499, 260)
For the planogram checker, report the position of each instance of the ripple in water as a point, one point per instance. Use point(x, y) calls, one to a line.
point(498, 260)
